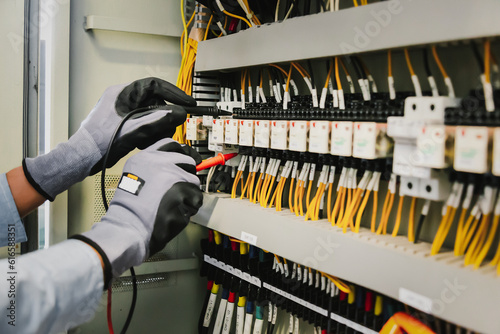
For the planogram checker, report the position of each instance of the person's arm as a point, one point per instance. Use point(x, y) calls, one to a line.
point(52, 290)
point(11, 228)
point(25, 196)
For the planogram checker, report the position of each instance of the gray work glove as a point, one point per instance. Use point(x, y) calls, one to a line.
point(155, 198)
point(82, 155)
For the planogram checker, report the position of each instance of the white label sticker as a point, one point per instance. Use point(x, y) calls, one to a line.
point(415, 300)
point(431, 146)
point(279, 135)
point(231, 131)
point(131, 183)
point(342, 139)
point(249, 238)
point(246, 132)
point(496, 152)
point(319, 137)
point(471, 149)
point(298, 136)
point(262, 132)
point(365, 139)
point(210, 310)
point(218, 131)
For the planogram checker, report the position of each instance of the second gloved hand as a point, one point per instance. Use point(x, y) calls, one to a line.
point(155, 198)
point(82, 155)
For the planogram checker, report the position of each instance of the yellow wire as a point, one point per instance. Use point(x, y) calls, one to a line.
point(308, 203)
point(339, 284)
point(246, 185)
point(269, 191)
point(458, 237)
point(443, 230)
point(411, 220)
point(389, 63)
point(408, 62)
point(301, 198)
point(438, 62)
point(398, 216)
point(361, 210)
point(329, 74)
point(296, 197)
point(337, 75)
point(489, 242)
point(477, 240)
point(336, 207)
point(208, 27)
point(279, 68)
point(355, 3)
point(235, 184)
point(318, 201)
point(288, 78)
point(487, 55)
point(374, 211)
point(183, 17)
point(238, 17)
point(468, 232)
point(384, 209)
point(329, 202)
point(290, 195)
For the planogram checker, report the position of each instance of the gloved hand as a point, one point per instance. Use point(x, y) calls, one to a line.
point(82, 155)
point(155, 198)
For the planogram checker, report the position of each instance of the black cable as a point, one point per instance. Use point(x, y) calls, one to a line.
point(310, 68)
point(419, 227)
point(426, 62)
point(105, 203)
point(479, 59)
point(359, 68)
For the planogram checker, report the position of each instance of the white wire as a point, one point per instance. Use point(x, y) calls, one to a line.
point(211, 173)
point(337, 5)
point(289, 11)
point(276, 12)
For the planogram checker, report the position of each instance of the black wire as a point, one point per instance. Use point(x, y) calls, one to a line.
point(359, 68)
point(105, 203)
point(426, 62)
point(310, 68)
point(134, 299)
point(419, 227)
point(479, 59)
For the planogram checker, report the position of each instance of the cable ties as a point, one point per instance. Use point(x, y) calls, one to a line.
point(323, 175)
point(222, 94)
point(251, 164)
point(271, 91)
point(235, 95)
point(317, 280)
point(289, 170)
point(311, 278)
point(309, 84)
point(299, 273)
point(286, 99)
point(294, 270)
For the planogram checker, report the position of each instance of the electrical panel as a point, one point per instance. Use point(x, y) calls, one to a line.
point(390, 148)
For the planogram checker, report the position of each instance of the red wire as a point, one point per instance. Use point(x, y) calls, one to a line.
point(110, 322)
